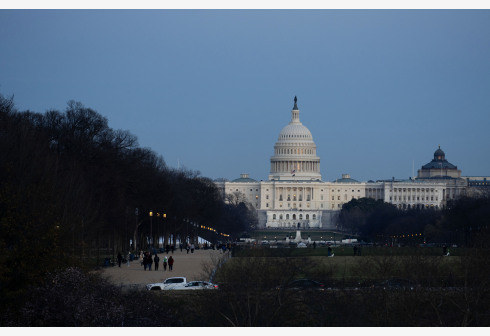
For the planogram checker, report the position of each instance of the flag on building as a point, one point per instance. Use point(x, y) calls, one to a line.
point(293, 172)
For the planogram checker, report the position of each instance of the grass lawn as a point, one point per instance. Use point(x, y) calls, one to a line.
point(422, 265)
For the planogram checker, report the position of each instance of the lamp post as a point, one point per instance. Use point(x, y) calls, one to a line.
point(136, 213)
point(151, 231)
point(163, 238)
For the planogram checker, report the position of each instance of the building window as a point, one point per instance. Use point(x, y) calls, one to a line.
point(274, 216)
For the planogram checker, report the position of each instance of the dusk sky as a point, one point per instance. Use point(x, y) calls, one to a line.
point(210, 90)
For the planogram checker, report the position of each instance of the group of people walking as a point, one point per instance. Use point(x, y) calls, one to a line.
point(147, 262)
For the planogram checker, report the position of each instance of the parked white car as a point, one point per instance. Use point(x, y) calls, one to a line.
point(196, 285)
point(168, 284)
point(301, 245)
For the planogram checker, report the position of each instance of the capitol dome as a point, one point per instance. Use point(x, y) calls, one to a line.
point(295, 152)
point(292, 131)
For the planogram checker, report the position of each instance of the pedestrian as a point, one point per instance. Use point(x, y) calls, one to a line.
point(180, 245)
point(156, 260)
point(119, 259)
point(314, 245)
point(150, 261)
point(188, 248)
point(167, 248)
point(165, 261)
point(444, 250)
point(192, 248)
point(355, 250)
point(329, 251)
point(173, 249)
point(170, 263)
point(359, 250)
point(145, 261)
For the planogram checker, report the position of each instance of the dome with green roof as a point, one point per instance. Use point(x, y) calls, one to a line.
point(244, 178)
point(346, 179)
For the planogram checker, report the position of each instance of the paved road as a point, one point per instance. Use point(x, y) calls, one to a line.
point(194, 266)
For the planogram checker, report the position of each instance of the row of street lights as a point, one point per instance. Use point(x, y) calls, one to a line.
point(164, 215)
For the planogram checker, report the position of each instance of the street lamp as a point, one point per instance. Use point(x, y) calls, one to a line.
point(163, 238)
point(136, 213)
point(151, 230)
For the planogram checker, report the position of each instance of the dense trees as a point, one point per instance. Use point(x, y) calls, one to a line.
point(464, 222)
point(70, 186)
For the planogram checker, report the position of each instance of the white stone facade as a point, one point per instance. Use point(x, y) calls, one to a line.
point(296, 197)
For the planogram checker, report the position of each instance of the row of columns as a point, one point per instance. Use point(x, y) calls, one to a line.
point(285, 192)
point(298, 166)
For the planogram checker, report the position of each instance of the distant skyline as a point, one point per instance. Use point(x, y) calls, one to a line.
point(210, 90)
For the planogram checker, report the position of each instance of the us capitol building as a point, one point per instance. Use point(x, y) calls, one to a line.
point(295, 197)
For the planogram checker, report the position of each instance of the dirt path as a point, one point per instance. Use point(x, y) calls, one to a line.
point(192, 265)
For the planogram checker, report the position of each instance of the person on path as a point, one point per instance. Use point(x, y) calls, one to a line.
point(145, 261)
point(156, 260)
point(355, 250)
point(192, 248)
point(188, 248)
point(170, 263)
point(150, 261)
point(165, 261)
point(119, 259)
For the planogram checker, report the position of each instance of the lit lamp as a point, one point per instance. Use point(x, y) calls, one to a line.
point(151, 229)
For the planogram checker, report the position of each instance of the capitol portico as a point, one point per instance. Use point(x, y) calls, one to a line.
point(296, 197)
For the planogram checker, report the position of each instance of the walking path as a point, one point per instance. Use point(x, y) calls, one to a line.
point(194, 266)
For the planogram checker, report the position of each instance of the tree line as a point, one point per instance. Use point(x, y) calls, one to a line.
point(73, 190)
point(464, 222)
